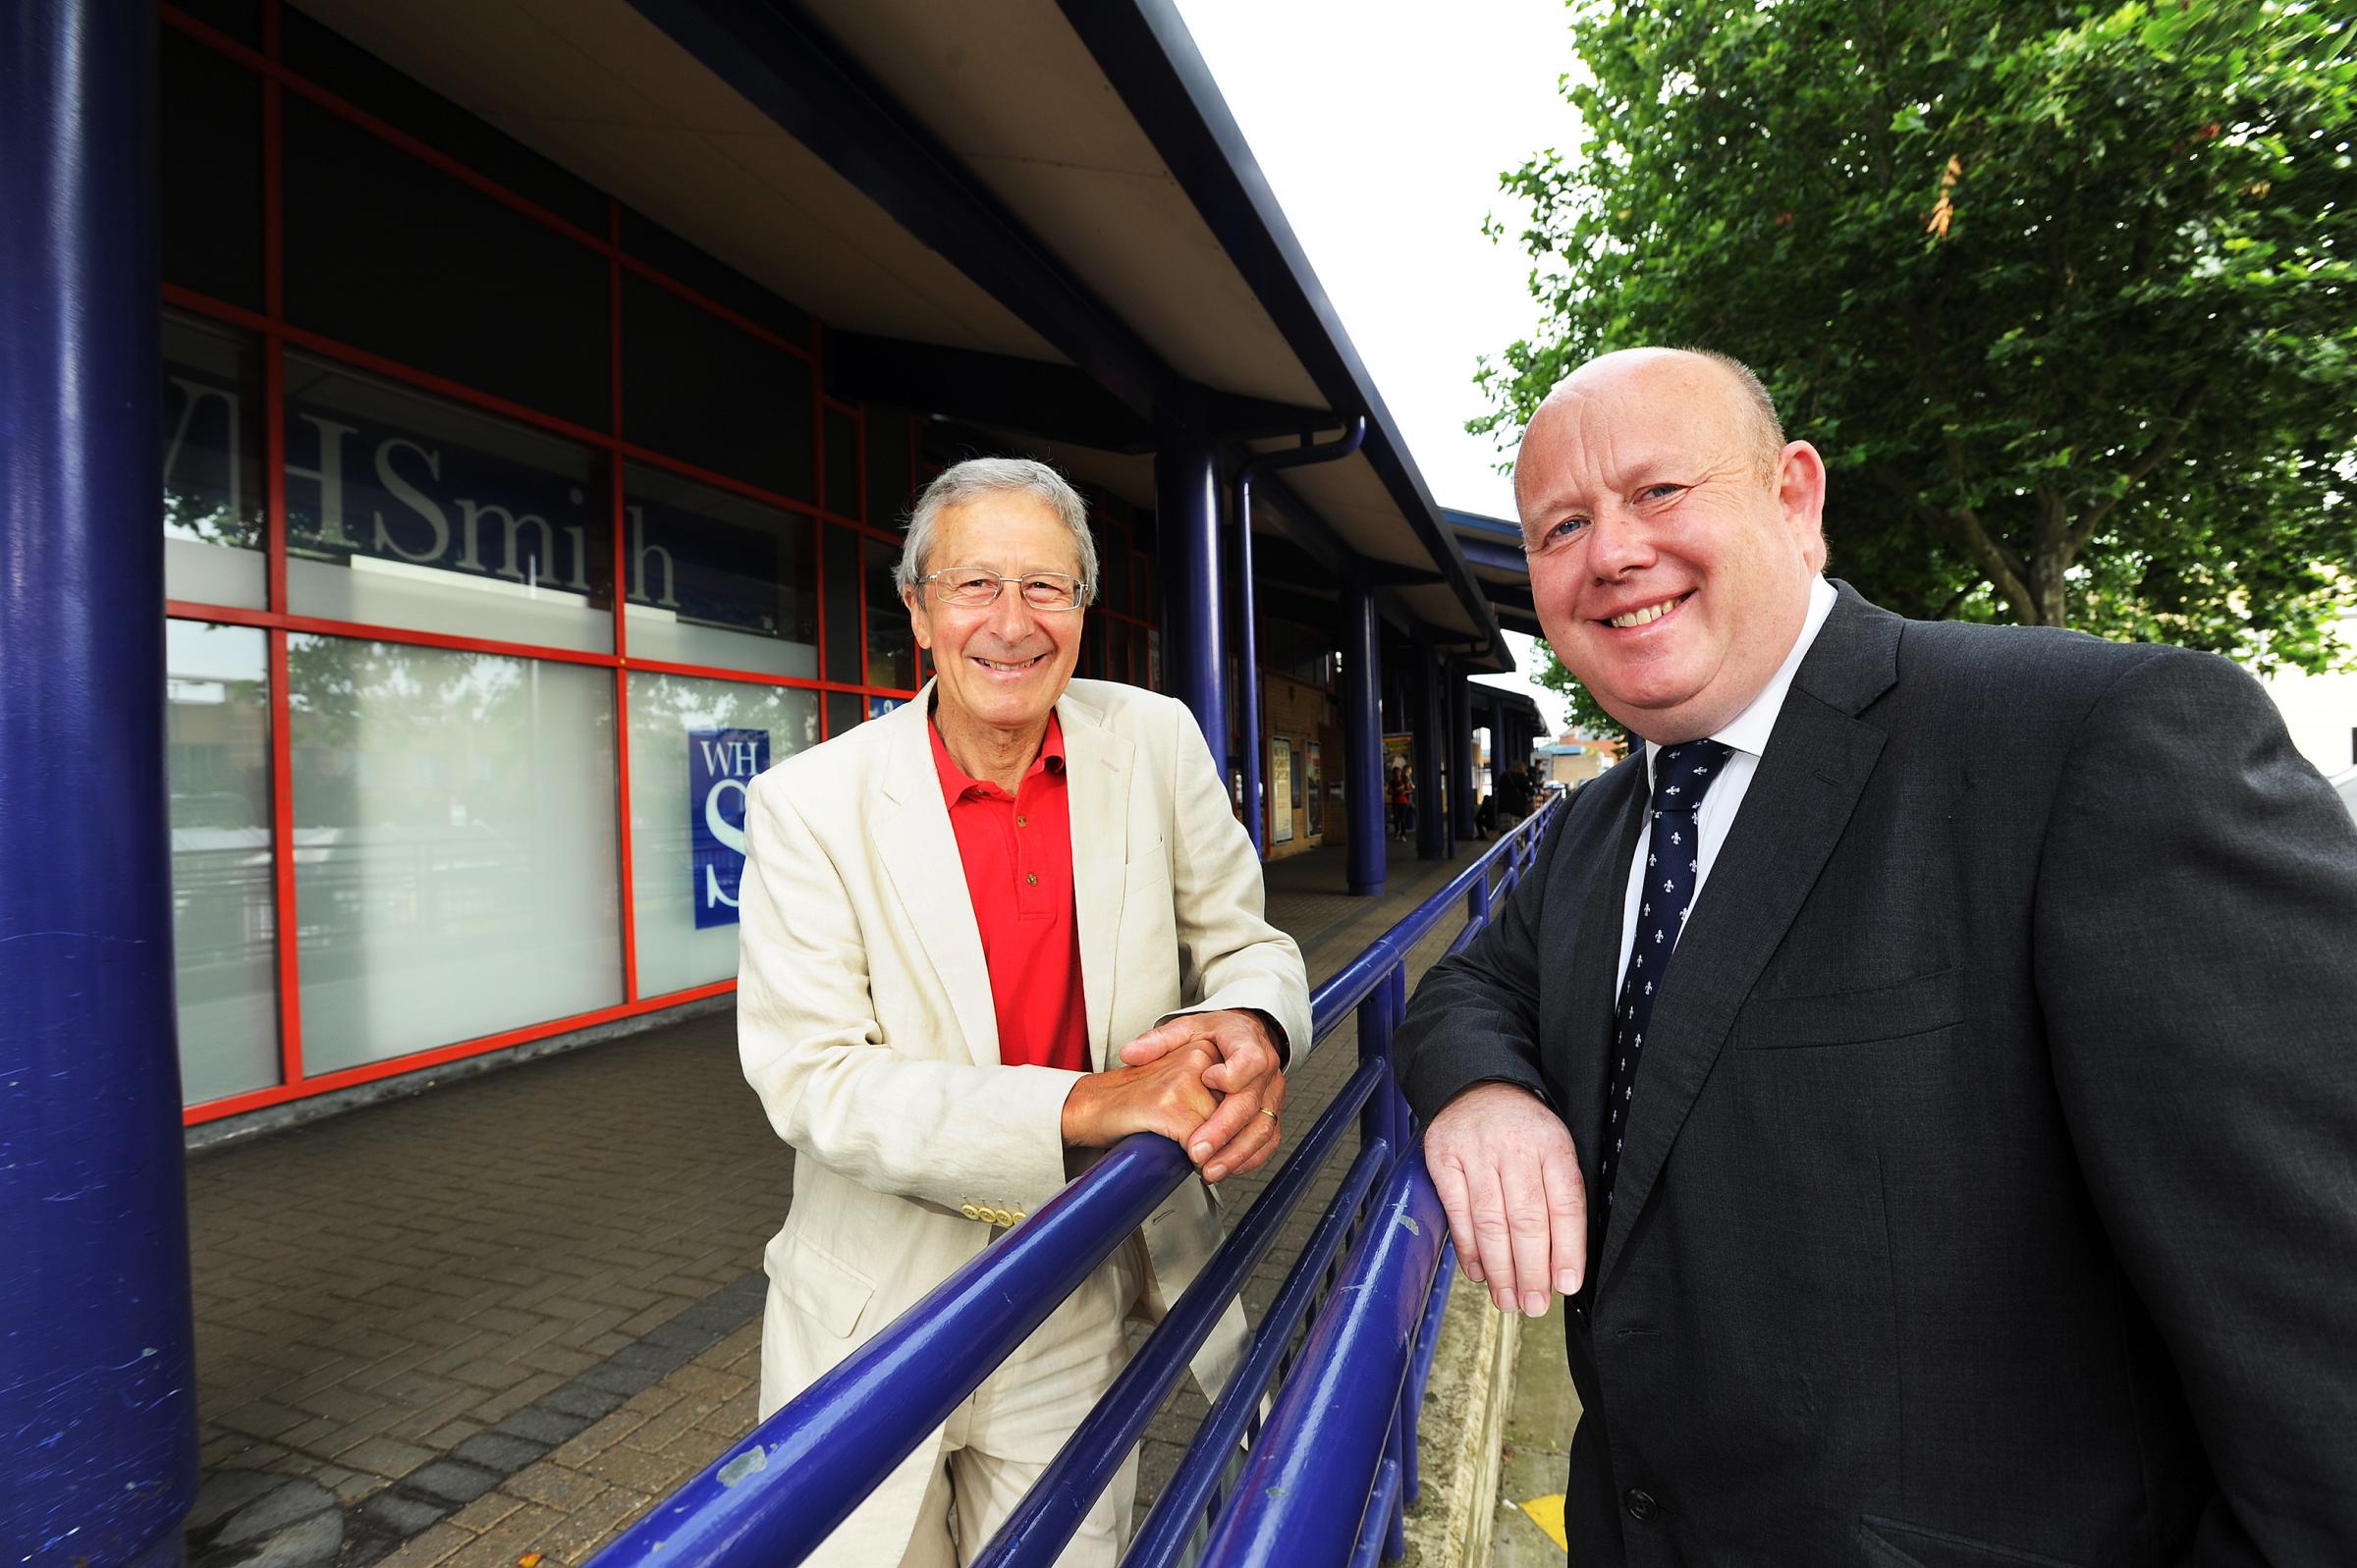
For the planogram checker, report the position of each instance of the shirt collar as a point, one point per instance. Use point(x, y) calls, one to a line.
point(956, 785)
point(1748, 730)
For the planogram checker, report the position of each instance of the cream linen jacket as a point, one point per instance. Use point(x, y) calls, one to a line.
point(865, 1022)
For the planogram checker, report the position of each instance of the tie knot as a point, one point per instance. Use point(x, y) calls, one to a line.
point(1685, 772)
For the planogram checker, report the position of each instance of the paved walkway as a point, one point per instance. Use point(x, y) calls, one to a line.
point(486, 1325)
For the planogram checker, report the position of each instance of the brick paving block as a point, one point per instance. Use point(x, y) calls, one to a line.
point(486, 1512)
point(665, 1429)
point(491, 1375)
point(520, 1533)
point(383, 1456)
point(537, 1423)
point(454, 1481)
point(598, 1438)
point(500, 1405)
point(578, 1399)
point(619, 1379)
point(503, 1452)
point(457, 1404)
point(429, 1549)
point(698, 1378)
point(653, 1475)
point(559, 1360)
point(589, 1526)
point(400, 1515)
point(354, 1489)
point(555, 1486)
point(262, 1419)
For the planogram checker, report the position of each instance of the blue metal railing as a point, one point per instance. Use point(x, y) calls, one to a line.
point(1336, 1466)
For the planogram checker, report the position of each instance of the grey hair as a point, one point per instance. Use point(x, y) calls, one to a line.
point(979, 477)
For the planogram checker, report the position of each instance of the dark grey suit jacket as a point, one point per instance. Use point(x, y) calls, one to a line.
point(1990, 1193)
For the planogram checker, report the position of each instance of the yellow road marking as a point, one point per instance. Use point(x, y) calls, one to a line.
point(1548, 1514)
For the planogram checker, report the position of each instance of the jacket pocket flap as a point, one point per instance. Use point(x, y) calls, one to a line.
point(1830, 1018)
point(830, 1290)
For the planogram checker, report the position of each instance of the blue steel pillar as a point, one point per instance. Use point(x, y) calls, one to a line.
point(1367, 830)
point(1427, 717)
point(1186, 536)
point(98, 1386)
point(1460, 752)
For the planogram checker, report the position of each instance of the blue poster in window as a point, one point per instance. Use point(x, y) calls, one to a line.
point(721, 767)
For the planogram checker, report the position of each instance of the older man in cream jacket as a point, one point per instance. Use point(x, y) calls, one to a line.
point(959, 921)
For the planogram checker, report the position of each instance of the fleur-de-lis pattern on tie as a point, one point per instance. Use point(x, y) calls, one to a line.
point(1684, 773)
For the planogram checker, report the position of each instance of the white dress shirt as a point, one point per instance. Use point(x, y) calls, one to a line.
point(1746, 737)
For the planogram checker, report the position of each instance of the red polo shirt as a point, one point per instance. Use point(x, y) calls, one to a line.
point(1017, 851)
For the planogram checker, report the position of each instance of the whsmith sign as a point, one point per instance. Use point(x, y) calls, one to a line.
point(356, 487)
point(722, 765)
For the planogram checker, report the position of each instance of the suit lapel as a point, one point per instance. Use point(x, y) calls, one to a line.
point(1815, 768)
point(1096, 774)
point(912, 833)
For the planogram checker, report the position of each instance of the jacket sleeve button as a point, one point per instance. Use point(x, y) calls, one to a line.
point(970, 1211)
point(1640, 1504)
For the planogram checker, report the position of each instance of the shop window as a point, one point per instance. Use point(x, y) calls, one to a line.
point(696, 388)
point(843, 606)
point(889, 497)
point(695, 744)
point(842, 464)
point(843, 713)
point(716, 281)
point(407, 511)
point(217, 725)
point(214, 514)
point(391, 256)
point(718, 580)
point(210, 170)
point(891, 644)
point(455, 866)
point(332, 61)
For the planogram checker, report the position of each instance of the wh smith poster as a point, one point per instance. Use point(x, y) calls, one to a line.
point(722, 765)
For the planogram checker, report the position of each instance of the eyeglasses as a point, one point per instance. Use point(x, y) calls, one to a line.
point(972, 587)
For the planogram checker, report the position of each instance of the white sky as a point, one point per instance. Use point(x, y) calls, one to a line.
point(1383, 127)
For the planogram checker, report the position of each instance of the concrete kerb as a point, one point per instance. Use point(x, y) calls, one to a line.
point(1463, 1432)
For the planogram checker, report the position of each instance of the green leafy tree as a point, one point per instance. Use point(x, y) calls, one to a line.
point(2066, 296)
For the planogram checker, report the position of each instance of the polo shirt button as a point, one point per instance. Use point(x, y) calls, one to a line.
point(1031, 878)
point(1022, 822)
point(1640, 1503)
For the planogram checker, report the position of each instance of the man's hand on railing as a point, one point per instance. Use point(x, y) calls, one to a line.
point(1165, 1096)
point(1248, 1075)
point(1510, 1182)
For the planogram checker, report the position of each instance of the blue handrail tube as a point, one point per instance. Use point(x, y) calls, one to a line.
point(1307, 1486)
point(1056, 1503)
point(1163, 1538)
point(778, 1493)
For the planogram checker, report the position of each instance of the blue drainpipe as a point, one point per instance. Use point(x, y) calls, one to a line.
point(1256, 818)
point(1186, 537)
point(98, 1361)
point(1366, 831)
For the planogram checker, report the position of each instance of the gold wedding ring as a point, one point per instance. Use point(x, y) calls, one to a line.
point(1266, 1112)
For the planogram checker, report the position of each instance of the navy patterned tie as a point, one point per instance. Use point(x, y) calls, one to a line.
point(1672, 858)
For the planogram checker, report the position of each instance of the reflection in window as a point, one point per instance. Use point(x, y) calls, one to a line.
point(406, 511)
point(456, 871)
point(717, 580)
point(891, 644)
point(217, 723)
point(672, 719)
point(213, 508)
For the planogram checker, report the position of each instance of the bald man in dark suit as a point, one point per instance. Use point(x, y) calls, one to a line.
point(1928, 1065)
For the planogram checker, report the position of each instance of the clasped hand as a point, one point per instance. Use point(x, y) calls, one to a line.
point(1208, 1081)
